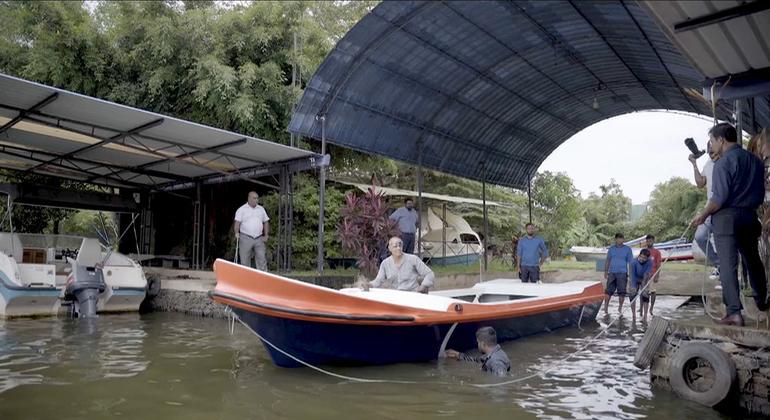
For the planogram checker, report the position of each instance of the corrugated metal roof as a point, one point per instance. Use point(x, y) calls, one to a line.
point(487, 90)
point(427, 195)
point(55, 132)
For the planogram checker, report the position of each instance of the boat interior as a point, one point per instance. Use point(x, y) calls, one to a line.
point(492, 292)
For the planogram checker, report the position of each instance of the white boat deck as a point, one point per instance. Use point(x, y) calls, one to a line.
point(493, 292)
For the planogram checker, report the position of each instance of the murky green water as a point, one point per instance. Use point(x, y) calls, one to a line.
point(171, 366)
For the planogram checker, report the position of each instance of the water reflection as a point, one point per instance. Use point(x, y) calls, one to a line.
point(174, 366)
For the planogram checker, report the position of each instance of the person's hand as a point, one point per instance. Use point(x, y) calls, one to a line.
point(237, 235)
point(698, 220)
point(364, 285)
point(692, 159)
point(422, 289)
point(265, 238)
point(606, 276)
point(452, 354)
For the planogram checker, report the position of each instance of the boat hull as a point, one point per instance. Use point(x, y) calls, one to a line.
point(356, 344)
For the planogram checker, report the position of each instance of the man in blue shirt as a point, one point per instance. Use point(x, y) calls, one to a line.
point(641, 270)
point(531, 253)
point(738, 189)
point(407, 219)
point(619, 256)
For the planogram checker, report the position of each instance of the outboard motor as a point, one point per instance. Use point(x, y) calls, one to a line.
point(84, 286)
point(86, 282)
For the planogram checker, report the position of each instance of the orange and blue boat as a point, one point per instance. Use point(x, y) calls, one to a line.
point(319, 325)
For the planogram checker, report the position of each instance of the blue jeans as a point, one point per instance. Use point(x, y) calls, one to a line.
point(703, 239)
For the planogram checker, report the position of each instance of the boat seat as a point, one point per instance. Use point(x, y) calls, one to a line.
point(11, 245)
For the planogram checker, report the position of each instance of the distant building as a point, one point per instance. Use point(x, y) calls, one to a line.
point(637, 211)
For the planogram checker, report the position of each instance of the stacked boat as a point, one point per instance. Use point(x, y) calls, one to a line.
point(39, 272)
point(676, 250)
point(304, 323)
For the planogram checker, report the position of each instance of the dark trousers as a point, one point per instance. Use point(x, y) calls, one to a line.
point(408, 240)
point(529, 274)
point(737, 231)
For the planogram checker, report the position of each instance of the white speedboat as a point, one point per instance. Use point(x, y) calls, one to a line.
point(56, 261)
point(25, 289)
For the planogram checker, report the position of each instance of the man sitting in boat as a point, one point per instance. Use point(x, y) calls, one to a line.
point(494, 359)
point(402, 271)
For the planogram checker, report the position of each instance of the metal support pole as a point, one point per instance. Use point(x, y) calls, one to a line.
point(321, 198)
point(738, 110)
point(443, 231)
point(529, 196)
point(419, 200)
point(484, 205)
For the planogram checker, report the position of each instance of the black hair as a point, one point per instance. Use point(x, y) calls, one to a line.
point(528, 225)
point(725, 131)
point(408, 199)
point(619, 235)
point(486, 335)
point(650, 236)
point(645, 252)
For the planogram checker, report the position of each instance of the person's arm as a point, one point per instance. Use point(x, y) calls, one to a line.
point(543, 252)
point(629, 258)
point(700, 180)
point(394, 215)
point(266, 230)
point(720, 188)
point(237, 224)
point(607, 264)
point(426, 273)
point(518, 256)
point(377, 282)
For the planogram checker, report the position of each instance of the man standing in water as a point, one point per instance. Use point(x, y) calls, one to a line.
point(619, 257)
point(657, 259)
point(407, 219)
point(494, 359)
point(738, 189)
point(402, 271)
point(531, 253)
point(251, 229)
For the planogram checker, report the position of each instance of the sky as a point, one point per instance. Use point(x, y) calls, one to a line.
point(638, 150)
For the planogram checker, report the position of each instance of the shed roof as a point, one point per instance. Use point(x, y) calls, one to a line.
point(55, 132)
point(487, 90)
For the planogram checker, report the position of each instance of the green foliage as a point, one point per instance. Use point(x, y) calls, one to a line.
point(672, 206)
point(608, 213)
point(305, 223)
point(557, 206)
point(365, 228)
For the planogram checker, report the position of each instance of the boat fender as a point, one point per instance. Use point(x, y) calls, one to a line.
point(458, 307)
point(650, 343)
point(703, 373)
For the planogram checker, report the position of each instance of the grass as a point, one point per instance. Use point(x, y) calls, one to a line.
point(497, 266)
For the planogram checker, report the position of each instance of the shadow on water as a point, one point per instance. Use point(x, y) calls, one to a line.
point(173, 366)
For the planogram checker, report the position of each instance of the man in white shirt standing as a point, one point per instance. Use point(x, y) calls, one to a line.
point(252, 228)
point(703, 232)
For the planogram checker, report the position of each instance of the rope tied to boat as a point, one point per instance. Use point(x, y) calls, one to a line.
point(544, 372)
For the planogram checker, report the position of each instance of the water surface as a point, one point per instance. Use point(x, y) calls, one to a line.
point(173, 366)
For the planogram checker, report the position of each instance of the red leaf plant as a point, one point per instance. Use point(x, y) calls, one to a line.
point(365, 229)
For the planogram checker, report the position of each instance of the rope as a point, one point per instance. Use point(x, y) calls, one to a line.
point(551, 367)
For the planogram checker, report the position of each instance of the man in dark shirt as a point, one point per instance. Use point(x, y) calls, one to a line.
point(494, 359)
point(738, 189)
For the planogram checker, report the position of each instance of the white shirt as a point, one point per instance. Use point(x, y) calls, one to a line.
point(252, 219)
point(708, 172)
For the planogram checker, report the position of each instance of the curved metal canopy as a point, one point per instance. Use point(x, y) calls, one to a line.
point(487, 90)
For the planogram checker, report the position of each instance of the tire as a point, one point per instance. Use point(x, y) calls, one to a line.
point(711, 388)
point(153, 286)
point(650, 342)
